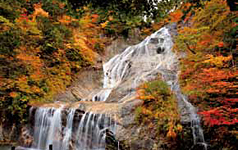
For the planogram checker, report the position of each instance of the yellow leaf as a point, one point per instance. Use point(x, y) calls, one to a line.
point(179, 127)
point(103, 25)
point(39, 11)
point(217, 60)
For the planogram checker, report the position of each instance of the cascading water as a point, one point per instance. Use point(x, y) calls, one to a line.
point(125, 71)
point(137, 63)
point(143, 62)
point(90, 131)
point(68, 130)
point(194, 119)
point(48, 128)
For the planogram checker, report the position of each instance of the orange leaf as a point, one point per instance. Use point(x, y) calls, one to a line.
point(39, 11)
point(220, 44)
point(13, 94)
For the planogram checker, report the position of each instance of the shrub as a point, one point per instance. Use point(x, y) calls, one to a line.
point(9, 41)
point(159, 109)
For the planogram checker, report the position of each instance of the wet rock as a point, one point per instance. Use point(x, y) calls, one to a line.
point(77, 117)
point(160, 50)
point(154, 40)
point(26, 137)
point(199, 147)
point(161, 40)
point(111, 142)
point(130, 106)
point(184, 110)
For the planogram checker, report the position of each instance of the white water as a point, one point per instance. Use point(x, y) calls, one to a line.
point(138, 63)
point(143, 62)
point(194, 119)
point(68, 130)
point(90, 132)
point(48, 128)
point(127, 70)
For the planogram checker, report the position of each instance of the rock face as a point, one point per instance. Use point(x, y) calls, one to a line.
point(12, 135)
point(89, 81)
point(25, 137)
point(9, 132)
point(83, 87)
point(131, 135)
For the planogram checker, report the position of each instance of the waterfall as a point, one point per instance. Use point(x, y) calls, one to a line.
point(48, 128)
point(143, 62)
point(137, 64)
point(68, 130)
point(194, 119)
point(90, 132)
point(124, 72)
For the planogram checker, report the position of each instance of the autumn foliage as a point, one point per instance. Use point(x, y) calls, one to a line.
point(41, 51)
point(159, 109)
point(45, 44)
point(209, 70)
